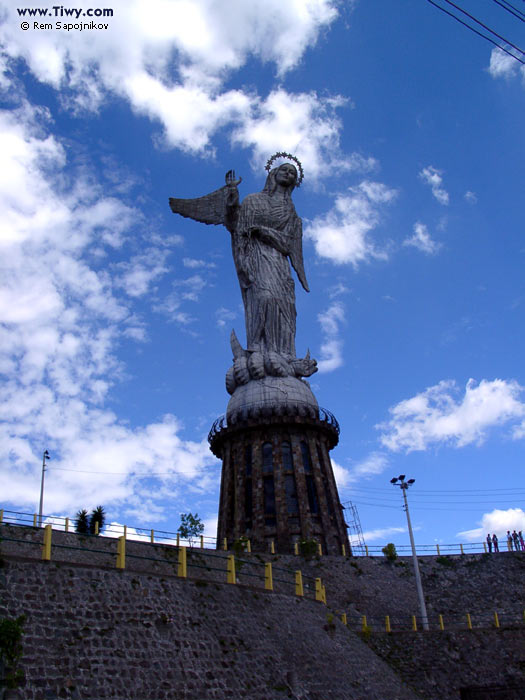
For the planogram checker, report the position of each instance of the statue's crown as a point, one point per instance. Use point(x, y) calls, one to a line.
point(288, 156)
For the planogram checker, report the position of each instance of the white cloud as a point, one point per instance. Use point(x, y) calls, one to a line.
point(341, 235)
point(60, 323)
point(341, 474)
point(382, 533)
point(438, 415)
point(331, 354)
point(137, 275)
point(224, 316)
point(170, 59)
point(498, 521)
point(471, 197)
point(434, 177)
point(375, 463)
point(193, 263)
point(422, 240)
point(504, 66)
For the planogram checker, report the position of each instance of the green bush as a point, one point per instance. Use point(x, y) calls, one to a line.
point(308, 549)
point(11, 649)
point(389, 551)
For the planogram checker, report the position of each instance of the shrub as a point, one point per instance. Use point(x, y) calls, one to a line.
point(82, 522)
point(389, 551)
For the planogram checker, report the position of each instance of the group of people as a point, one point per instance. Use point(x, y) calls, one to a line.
point(515, 542)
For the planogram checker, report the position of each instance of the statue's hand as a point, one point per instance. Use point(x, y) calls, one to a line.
point(230, 179)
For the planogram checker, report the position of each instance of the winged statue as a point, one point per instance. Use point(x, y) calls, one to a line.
point(266, 236)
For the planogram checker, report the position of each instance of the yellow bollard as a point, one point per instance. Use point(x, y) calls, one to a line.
point(318, 590)
point(364, 626)
point(121, 553)
point(152, 536)
point(1, 516)
point(202, 541)
point(485, 547)
point(344, 619)
point(414, 623)
point(437, 547)
point(34, 520)
point(96, 527)
point(67, 524)
point(441, 623)
point(248, 546)
point(296, 548)
point(299, 583)
point(461, 549)
point(225, 544)
point(46, 547)
point(268, 579)
point(496, 619)
point(182, 568)
point(469, 621)
point(272, 547)
point(387, 624)
point(343, 549)
point(319, 549)
point(366, 549)
point(230, 575)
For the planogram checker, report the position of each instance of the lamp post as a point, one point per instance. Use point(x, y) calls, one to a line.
point(403, 485)
point(45, 456)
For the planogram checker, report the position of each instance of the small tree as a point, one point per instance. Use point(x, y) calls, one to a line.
point(190, 526)
point(390, 552)
point(11, 631)
point(98, 515)
point(82, 522)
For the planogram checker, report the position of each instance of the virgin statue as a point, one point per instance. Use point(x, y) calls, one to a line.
point(266, 236)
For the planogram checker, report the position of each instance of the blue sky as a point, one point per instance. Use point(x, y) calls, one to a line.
point(115, 314)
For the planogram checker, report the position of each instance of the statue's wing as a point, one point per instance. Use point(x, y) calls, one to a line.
point(296, 255)
point(210, 209)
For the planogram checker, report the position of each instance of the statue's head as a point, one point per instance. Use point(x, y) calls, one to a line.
point(285, 171)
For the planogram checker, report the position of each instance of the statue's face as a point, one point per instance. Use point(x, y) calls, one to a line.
point(286, 175)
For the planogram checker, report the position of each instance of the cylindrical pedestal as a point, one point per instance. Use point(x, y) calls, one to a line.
point(277, 481)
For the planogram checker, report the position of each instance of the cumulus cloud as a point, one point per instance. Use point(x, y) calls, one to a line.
point(341, 235)
point(331, 320)
point(60, 322)
point(504, 66)
point(381, 533)
point(434, 177)
point(439, 415)
point(170, 59)
point(422, 240)
point(498, 521)
point(375, 463)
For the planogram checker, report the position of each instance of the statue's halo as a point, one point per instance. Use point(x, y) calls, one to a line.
point(288, 156)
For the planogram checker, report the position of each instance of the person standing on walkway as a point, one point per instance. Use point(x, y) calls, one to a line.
point(522, 542)
point(509, 541)
point(495, 543)
point(516, 541)
point(489, 543)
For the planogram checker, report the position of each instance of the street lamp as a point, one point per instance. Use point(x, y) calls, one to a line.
point(403, 485)
point(45, 456)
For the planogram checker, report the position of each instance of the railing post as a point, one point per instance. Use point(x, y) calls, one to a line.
point(343, 550)
point(121, 553)
point(268, 579)
point(182, 568)
point(248, 546)
point(344, 619)
point(299, 583)
point(152, 536)
point(318, 590)
point(414, 623)
point(364, 626)
point(46, 547)
point(296, 548)
point(225, 544)
point(441, 623)
point(34, 520)
point(67, 525)
point(230, 571)
point(272, 547)
point(461, 548)
point(469, 621)
point(496, 619)
point(202, 541)
point(319, 549)
point(366, 549)
point(437, 547)
point(1, 516)
point(387, 624)
point(485, 547)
